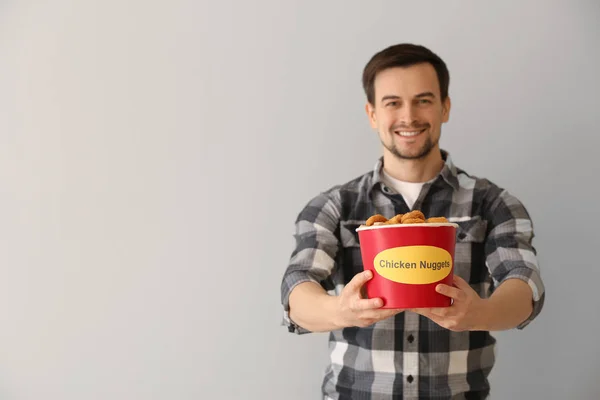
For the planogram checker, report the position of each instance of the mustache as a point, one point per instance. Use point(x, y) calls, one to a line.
point(411, 126)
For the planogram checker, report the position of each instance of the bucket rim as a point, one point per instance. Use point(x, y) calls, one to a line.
point(424, 224)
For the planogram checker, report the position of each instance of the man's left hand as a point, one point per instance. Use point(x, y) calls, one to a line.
point(466, 312)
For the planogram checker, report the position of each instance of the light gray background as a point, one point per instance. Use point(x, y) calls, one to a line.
point(154, 155)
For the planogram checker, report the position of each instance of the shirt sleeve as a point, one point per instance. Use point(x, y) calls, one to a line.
point(509, 250)
point(314, 256)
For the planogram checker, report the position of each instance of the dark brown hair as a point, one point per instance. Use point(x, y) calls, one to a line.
point(403, 55)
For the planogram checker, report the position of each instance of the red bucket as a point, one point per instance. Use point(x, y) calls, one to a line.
point(408, 261)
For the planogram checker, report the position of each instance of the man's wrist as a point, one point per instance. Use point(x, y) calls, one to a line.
point(333, 309)
point(485, 316)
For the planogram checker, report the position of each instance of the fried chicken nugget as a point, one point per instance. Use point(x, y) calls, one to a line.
point(413, 221)
point(437, 220)
point(415, 214)
point(395, 220)
point(376, 218)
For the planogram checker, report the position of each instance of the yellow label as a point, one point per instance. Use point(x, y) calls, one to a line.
point(414, 264)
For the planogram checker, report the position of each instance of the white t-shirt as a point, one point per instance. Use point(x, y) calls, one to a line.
point(409, 190)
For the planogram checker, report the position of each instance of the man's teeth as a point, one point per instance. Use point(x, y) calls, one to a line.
point(402, 133)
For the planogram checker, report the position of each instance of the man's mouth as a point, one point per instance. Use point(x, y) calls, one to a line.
point(408, 133)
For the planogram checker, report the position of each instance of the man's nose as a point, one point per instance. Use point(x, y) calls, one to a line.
point(407, 114)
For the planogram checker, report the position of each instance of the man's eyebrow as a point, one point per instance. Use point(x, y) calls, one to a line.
point(390, 97)
point(418, 96)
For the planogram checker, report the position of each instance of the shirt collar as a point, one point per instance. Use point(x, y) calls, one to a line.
point(448, 173)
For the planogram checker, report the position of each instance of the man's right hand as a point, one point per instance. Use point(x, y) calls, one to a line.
point(355, 310)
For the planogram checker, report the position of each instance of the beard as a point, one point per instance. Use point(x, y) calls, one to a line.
point(428, 145)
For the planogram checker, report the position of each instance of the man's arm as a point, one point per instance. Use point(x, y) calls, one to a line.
point(314, 310)
point(307, 307)
point(511, 259)
point(509, 306)
point(313, 261)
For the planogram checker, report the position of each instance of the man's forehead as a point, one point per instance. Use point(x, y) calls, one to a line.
point(407, 81)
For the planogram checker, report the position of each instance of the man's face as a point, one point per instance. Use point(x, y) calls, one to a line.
point(408, 112)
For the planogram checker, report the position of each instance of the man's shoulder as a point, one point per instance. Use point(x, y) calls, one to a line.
point(351, 189)
point(480, 184)
point(340, 197)
point(488, 196)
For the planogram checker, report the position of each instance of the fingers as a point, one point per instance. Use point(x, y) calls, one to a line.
point(442, 321)
point(378, 315)
point(367, 304)
point(455, 293)
point(434, 312)
point(359, 280)
point(422, 311)
point(367, 317)
point(461, 283)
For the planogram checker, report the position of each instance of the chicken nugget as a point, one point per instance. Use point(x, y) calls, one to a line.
point(437, 220)
point(413, 214)
point(395, 220)
point(376, 218)
point(413, 221)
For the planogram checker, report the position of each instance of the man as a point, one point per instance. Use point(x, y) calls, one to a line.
point(441, 353)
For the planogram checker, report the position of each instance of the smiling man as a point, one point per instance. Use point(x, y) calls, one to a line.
point(439, 353)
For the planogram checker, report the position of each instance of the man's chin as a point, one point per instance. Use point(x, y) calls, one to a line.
point(414, 155)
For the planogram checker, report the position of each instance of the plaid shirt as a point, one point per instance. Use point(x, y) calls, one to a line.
point(408, 356)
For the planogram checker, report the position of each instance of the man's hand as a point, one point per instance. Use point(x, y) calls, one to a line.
point(466, 313)
point(355, 310)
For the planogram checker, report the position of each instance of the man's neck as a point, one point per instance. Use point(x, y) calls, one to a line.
point(421, 170)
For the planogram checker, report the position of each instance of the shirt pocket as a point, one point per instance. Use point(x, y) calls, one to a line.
point(469, 251)
point(472, 230)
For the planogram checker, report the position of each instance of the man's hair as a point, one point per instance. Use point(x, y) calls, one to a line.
point(403, 55)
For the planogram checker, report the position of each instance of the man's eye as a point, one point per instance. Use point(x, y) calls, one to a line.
point(392, 104)
point(424, 101)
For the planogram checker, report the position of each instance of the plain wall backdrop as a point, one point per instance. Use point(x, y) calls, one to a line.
point(154, 156)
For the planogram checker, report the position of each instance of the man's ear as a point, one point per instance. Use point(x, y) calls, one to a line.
point(371, 115)
point(446, 105)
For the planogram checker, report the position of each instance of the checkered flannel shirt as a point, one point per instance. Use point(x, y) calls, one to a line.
point(408, 356)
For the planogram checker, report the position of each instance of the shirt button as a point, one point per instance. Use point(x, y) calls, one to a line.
point(410, 379)
point(410, 338)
